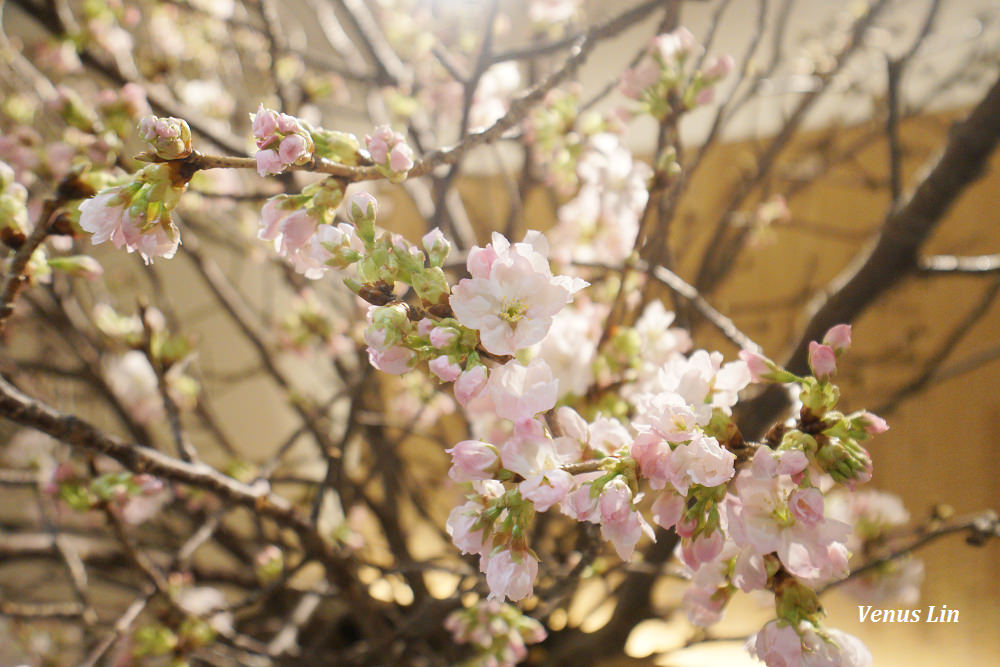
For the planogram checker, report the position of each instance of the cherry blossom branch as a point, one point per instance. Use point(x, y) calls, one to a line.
point(16, 278)
point(894, 254)
point(979, 527)
point(24, 410)
point(688, 292)
point(717, 260)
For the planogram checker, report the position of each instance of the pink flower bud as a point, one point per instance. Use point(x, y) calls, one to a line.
point(473, 459)
point(873, 423)
point(288, 124)
point(269, 162)
point(401, 158)
point(702, 549)
point(718, 67)
point(292, 149)
point(265, 123)
point(838, 337)
point(758, 365)
point(377, 148)
point(822, 360)
point(442, 337)
point(511, 576)
point(445, 368)
point(361, 205)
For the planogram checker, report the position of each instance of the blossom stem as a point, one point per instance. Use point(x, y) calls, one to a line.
point(16, 279)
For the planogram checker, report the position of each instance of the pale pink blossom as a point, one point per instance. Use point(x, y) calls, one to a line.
point(757, 364)
point(701, 549)
point(620, 523)
point(546, 488)
point(807, 505)
point(292, 149)
point(470, 384)
point(718, 67)
point(282, 141)
point(268, 162)
point(636, 80)
point(395, 360)
point(704, 607)
point(667, 509)
point(521, 392)
point(759, 517)
point(677, 44)
point(777, 644)
point(539, 460)
point(107, 218)
point(461, 527)
point(473, 459)
point(389, 149)
point(401, 158)
point(480, 261)
point(768, 463)
point(510, 576)
point(570, 346)
point(513, 307)
point(361, 205)
point(701, 461)
point(653, 454)
point(873, 424)
point(553, 11)
point(579, 504)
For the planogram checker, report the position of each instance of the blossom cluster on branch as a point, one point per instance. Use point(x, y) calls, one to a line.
point(588, 413)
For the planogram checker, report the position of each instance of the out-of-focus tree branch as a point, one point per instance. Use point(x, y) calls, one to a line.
point(893, 255)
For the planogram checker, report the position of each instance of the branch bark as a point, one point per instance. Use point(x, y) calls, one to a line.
point(893, 255)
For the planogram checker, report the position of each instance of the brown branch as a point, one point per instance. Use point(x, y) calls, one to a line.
point(894, 254)
point(951, 341)
point(717, 260)
point(15, 278)
point(24, 410)
point(980, 527)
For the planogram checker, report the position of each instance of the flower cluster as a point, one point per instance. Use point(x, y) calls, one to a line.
point(136, 215)
point(390, 152)
point(282, 141)
point(169, 137)
point(661, 82)
point(499, 632)
point(749, 517)
point(13, 208)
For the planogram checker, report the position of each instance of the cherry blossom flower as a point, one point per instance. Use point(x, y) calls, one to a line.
point(515, 296)
point(510, 575)
point(759, 517)
point(110, 216)
point(539, 460)
point(520, 392)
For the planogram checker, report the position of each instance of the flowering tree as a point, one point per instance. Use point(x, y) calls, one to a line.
point(584, 435)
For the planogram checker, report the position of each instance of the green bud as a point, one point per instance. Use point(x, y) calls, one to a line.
point(80, 266)
point(431, 285)
point(340, 147)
